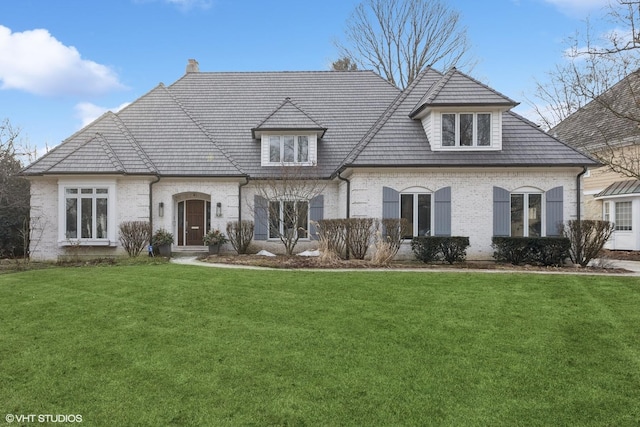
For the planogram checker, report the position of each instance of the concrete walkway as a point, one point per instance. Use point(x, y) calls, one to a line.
point(632, 266)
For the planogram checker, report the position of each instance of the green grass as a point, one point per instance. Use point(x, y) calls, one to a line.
point(180, 345)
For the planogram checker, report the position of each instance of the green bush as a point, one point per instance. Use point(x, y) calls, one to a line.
point(531, 250)
point(434, 248)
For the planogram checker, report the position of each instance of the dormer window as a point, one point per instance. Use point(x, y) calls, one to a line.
point(466, 129)
point(289, 149)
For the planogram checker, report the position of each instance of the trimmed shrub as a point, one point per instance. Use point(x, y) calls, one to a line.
point(454, 249)
point(433, 248)
point(240, 234)
point(134, 236)
point(531, 250)
point(552, 251)
point(425, 249)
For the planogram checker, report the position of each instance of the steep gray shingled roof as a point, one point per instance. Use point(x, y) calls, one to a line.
point(457, 89)
point(154, 135)
point(595, 125)
point(230, 105)
point(401, 141)
point(288, 116)
point(202, 125)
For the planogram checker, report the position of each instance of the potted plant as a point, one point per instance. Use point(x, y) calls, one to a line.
point(214, 239)
point(162, 239)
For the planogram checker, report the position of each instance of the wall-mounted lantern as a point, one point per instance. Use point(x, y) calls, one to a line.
point(218, 209)
point(161, 209)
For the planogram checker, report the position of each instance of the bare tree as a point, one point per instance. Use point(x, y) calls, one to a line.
point(288, 196)
point(400, 38)
point(600, 76)
point(14, 191)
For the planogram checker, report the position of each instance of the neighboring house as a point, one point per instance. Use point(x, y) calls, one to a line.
point(609, 128)
point(447, 154)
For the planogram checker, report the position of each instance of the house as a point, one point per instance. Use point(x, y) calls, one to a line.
point(447, 154)
point(608, 128)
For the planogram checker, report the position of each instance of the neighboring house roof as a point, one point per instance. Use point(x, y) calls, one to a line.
point(621, 188)
point(396, 141)
point(205, 124)
point(611, 120)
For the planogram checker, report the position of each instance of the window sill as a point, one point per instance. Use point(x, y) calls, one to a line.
point(466, 148)
point(87, 243)
point(287, 164)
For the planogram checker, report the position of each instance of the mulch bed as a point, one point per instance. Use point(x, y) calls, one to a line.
point(300, 262)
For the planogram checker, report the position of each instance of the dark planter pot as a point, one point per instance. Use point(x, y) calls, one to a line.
point(165, 250)
point(214, 249)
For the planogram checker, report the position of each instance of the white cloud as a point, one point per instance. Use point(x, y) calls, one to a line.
point(34, 61)
point(88, 112)
point(579, 7)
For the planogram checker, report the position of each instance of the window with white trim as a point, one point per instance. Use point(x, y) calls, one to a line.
point(466, 129)
point(288, 218)
point(526, 215)
point(623, 216)
point(606, 211)
point(416, 209)
point(289, 149)
point(86, 213)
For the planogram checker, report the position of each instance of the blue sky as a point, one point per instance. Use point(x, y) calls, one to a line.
point(63, 63)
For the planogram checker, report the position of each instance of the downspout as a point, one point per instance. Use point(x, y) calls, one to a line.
point(348, 193)
point(578, 191)
point(151, 202)
point(348, 205)
point(240, 199)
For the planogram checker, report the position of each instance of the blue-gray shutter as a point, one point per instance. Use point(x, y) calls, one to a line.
point(390, 203)
point(260, 218)
point(554, 210)
point(442, 214)
point(501, 212)
point(316, 213)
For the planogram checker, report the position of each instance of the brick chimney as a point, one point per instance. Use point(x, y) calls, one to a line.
point(192, 66)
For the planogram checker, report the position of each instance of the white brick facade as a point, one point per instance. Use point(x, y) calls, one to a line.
point(471, 202)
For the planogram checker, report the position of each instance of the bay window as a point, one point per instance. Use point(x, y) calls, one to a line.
point(623, 216)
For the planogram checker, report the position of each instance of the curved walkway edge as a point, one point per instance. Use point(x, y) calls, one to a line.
point(632, 266)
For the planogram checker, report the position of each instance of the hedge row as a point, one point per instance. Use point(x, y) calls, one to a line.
point(531, 250)
point(435, 248)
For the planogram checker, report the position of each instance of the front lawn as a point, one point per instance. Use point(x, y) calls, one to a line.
point(180, 345)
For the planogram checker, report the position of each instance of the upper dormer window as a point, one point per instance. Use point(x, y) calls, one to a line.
point(466, 129)
point(288, 149)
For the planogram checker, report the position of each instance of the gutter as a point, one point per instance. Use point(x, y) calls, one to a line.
point(348, 193)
